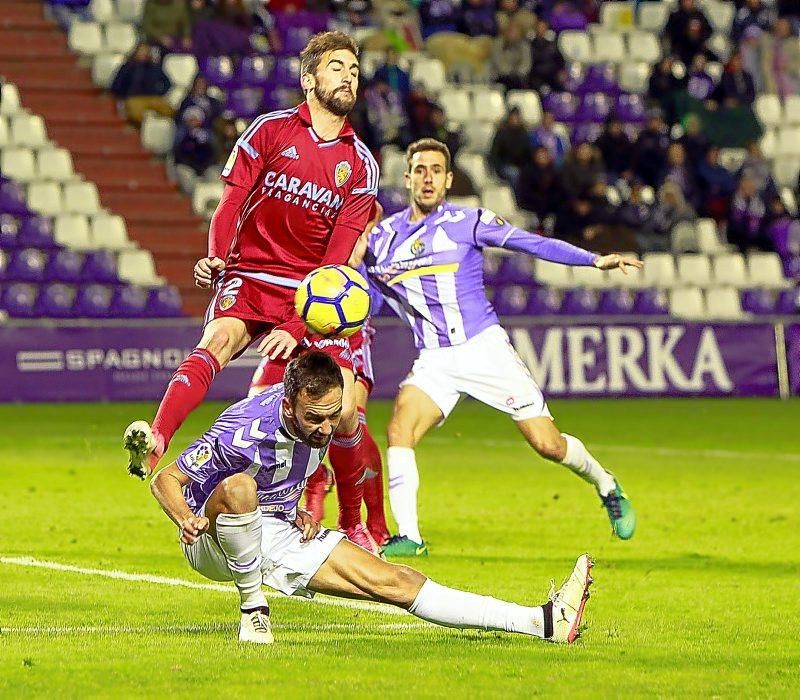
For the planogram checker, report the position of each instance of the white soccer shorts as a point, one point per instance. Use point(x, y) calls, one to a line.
point(487, 368)
point(287, 563)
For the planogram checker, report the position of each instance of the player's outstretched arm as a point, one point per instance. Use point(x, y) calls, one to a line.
point(167, 488)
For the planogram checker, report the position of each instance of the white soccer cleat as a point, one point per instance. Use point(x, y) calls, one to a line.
point(255, 627)
point(140, 443)
point(570, 600)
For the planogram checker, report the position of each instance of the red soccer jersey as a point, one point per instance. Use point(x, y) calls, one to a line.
point(302, 192)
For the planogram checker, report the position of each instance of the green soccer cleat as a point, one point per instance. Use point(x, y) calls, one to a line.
point(402, 546)
point(620, 512)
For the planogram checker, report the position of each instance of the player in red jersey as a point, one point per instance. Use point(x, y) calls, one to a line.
point(299, 189)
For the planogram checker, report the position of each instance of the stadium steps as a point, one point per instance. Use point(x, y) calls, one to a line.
point(105, 149)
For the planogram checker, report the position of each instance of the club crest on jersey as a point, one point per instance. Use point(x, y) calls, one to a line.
point(226, 302)
point(342, 172)
point(199, 456)
point(418, 247)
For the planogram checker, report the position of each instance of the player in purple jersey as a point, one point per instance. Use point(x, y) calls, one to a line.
point(427, 261)
point(233, 495)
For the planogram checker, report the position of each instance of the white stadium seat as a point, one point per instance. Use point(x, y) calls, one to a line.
point(81, 198)
point(590, 277)
point(643, 46)
point(553, 274)
point(528, 103)
point(720, 45)
point(490, 107)
point(85, 38)
point(659, 269)
point(478, 137)
point(683, 237)
point(430, 73)
point(768, 110)
point(617, 16)
point(456, 104)
point(474, 165)
point(18, 163)
point(55, 164)
point(791, 110)
point(730, 270)
point(180, 68)
point(653, 16)
point(130, 10)
point(102, 10)
point(4, 135)
point(45, 198)
point(715, 70)
point(9, 99)
point(137, 267)
point(158, 134)
point(105, 67)
point(120, 37)
point(634, 279)
point(694, 269)
point(393, 165)
point(205, 198)
point(575, 45)
point(72, 231)
point(28, 130)
point(732, 158)
point(766, 271)
point(720, 15)
point(789, 200)
point(609, 47)
point(788, 141)
point(500, 199)
point(723, 303)
point(687, 302)
point(109, 232)
point(785, 169)
point(633, 76)
point(708, 237)
point(769, 143)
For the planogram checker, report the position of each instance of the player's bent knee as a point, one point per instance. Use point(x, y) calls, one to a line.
point(401, 585)
point(553, 450)
point(399, 434)
point(239, 493)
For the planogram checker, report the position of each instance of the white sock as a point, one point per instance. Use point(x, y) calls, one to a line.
point(403, 485)
point(239, 537)
point(580, 461)
point(452, 608)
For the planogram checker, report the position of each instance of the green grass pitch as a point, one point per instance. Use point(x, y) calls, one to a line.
point(702, 602)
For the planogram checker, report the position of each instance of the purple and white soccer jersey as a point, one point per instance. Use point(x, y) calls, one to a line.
point(250, 437)
point(430, 272)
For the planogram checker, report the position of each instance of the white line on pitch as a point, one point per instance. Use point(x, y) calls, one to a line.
point(179, 582)
point(203, 629)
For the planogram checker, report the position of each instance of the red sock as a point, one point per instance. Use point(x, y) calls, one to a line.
point(373, 486)
point(347, 458)
point(185, 392)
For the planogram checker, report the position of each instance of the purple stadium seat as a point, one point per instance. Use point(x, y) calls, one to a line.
point(256, 71)
point(616, 302)
point(276, 98)
point(601, 78)
point(392, 200)
point(9, 230)
point(245, 102)
point(286, 72)
point(651, 302)
point(511, 300)
point(129, 302)
point(93, 301)
point(65, 266)
point(758, 301)
point(791, 266)
point(576, 75)
point(562, 105)
point(12, 198)
point(4, 260)
point(544, 301)
point(517, 269)
point(295, 40)
point(164, 302)
point(36, 232)
point(579, 302)
point(219, 70)
point(100, 266)
point(27, 265)
point(630, 108)
point(632, 130)
point(492, 265)
point(56, 301)
point(313, 21)
point(19, 300)
point(788, 301)
point(587, 132)
point(568, 18)
point(785, 236)
point(594, 107)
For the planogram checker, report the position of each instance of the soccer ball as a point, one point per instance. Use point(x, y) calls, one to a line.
point(333, 300)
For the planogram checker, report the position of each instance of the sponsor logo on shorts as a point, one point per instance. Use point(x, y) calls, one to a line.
point(510, 401)
point(342, 172)
point(200, 455)
point(226, 302)
point(418, 247)
point(322, 534)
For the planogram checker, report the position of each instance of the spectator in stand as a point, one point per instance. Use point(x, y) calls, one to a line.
point(653, 233)
point(509, 11)
point(650, 152)
point(700, 85)
point(583, 171)
point(141, 84)
point(232, 32)
point(351, 13)
point(539, 188)
point(386, 115)
point(616, 149)
point(166, 23)
point(679, 172)
point(510, 149)
point(752, 13)
point(194, 142)
point(758, 169)
point(694, 141)
point(198, 97)
point(548, 67)
point(438, 16)
point(780, 60)
point(564, 15)
point(418, 108)
point(478, 18)
point(393, 75)
point(549, 135)
point(226, 137)
point(736, 87)
point(715, 185)
point(664, 84)
point(511, 58)
point(747, 214)
point(687, 29)
point(436, 128)
point(199, 10)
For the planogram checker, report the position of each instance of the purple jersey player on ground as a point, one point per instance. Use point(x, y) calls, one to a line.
point(427, 262)
point(233, 495)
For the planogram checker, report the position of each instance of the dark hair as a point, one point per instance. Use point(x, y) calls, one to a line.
point(313, 372)
point(318, 44)
point(428, 145)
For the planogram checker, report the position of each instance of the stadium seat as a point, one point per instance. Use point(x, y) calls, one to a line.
point(766, 270)
point(723, 303)
point(5, 137)
point(616, 302)
point(659, 270)
point(474, 165)
point(393, 165)
point(791, 110)
point(643, 46)
point(56, 301)
point(456, 104)
point(37, 232)
point(694, 269)
point(109, 232)
point(100, 266)
point(81, 198)
point(759, 301)
point(129, 302)
point(158, 134)
point(732, 158)
point(768, 110)
point(786, 169)
point(64, 265)
point(576, 46)
point(617, 16)
point(478, 137)
point(687, 302)
point(85, 38)
point(651, 302)
point(653, 16)
point(93, 301)
point(205, 198)
point(769, 143)
point(9, 232)
point(633, 76)
point(18, 163)
point(105, 67)
point(9, 99)
point(120, 37)
point(634, 279)
point(500, 199)
point(720, 15)
point(137, 267)
point(590, 277)
point(789, 200)
point(102, 11)
point(553, 274)
point(516, 269)
point(55, 164)
point(27, 265)
point(180, 69)
point(490, 107)
point(27, 130)
point(788, 141)
point(528, 103)
point(12, 197)
point(19, 300)
point(219, 70)
point(720, 45)
point(130, 10)
point(164, 302)
point(708, 237)
point(683, 238)
point(72, 231)
point(788, 301)
point(45, 198)
point(256, 71)
point(511, 300)
point(729, 270)
point(544, 301)
point(430, 73)
point(580, 302)
point(609, 47)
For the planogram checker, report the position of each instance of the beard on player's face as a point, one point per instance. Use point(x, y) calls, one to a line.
point(338, 100)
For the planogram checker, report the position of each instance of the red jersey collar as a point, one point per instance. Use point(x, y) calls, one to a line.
point(305, 116)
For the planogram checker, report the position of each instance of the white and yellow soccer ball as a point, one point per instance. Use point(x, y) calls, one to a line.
point(333, 301)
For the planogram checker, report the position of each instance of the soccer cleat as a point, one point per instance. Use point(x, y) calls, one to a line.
point(255, 628)
point(360, 535)
point(144, 448)
point(379, 533)
point(620, 512)
point(402, 546)
point(569, 602)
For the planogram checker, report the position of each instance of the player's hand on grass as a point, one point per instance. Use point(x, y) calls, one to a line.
point(277, 344)
point(206, 269)
point(615, 260)
point(308, 525)
point(192, 527)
